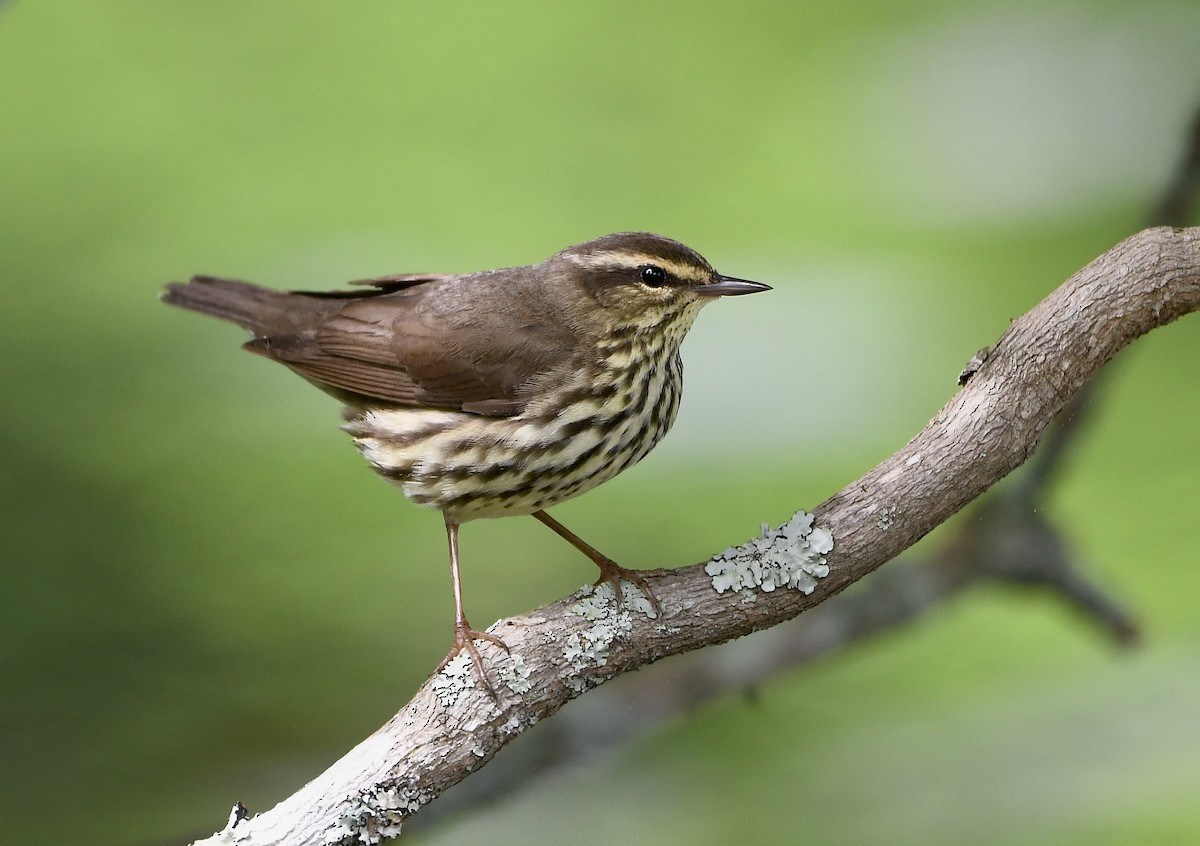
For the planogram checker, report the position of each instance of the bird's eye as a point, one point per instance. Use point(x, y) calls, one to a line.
point(653, 275)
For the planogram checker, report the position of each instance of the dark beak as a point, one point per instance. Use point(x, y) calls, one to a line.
point(727, 286)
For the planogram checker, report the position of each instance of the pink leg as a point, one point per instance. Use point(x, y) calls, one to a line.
point(464, 635)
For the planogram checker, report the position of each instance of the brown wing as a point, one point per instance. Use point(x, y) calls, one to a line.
point(430, 342)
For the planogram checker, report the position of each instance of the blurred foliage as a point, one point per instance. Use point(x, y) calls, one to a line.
point(207, 596)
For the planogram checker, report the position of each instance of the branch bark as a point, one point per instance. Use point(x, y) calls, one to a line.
point(990, 426)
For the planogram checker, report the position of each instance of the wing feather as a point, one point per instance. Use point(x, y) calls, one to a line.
point(429, 341)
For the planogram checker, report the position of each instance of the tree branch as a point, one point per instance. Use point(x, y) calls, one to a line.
point(451, 727)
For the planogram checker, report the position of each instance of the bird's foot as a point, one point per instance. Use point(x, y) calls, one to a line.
point(610, 571)
point(464, 638)
point(614, 574)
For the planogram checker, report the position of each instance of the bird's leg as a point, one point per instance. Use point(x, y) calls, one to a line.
point(610, 571)
point(464, 635)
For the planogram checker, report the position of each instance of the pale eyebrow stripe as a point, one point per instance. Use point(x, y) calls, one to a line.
point(616, 258)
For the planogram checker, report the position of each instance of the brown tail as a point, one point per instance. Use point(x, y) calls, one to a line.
point(261, 310)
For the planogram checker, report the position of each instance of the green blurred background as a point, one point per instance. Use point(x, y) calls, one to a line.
point(207, 595)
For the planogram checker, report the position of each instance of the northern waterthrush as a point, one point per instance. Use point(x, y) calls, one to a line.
point(496, 393)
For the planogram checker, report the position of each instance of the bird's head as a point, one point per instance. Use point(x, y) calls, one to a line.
point(645, 280)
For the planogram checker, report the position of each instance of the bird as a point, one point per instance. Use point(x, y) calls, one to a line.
point(497, 393)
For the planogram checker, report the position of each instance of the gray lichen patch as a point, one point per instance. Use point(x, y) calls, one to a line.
point(791, 556)
point(598, 601)
point(595, 602)
point(515, 675)
point(376, 815)
point(455, 680)
point(634, 599)
point(589, 647)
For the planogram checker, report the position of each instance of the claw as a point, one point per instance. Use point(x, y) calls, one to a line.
point(614, 574)
point(464, 637)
